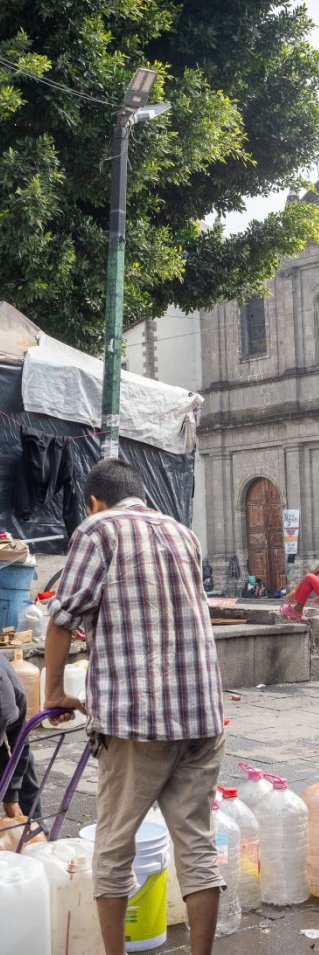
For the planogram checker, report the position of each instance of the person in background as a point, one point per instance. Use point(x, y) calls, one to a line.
point(295, 601)
point(24, 787)
point(133, 577)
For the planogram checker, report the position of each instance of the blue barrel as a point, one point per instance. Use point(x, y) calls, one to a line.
point(15, 583)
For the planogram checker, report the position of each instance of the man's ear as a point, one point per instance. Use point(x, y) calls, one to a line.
point(95, 505)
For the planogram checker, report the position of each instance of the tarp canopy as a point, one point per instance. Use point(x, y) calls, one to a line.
point(67, 384)
point(59, 380)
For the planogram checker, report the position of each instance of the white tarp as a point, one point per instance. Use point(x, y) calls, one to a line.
point(63, 382)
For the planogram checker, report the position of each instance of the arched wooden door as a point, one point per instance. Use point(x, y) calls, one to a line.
point(266, 552)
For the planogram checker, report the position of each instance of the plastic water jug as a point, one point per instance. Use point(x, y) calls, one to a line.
point(283, 818)
point(11, 832)
point(30, 617)
point(253, 788)
point(227, 840)
point(146, 917)
point(311, 798)
point(249, 885)
point(24, 906)
point(74, 919)
point(175, 903)
point(29, 675)
point(74, 685)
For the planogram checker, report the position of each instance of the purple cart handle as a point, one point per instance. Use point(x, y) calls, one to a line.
point(9, 770)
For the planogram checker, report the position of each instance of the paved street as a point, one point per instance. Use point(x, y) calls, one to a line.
point(276, 727)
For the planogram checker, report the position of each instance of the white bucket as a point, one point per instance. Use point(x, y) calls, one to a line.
point(146, 918)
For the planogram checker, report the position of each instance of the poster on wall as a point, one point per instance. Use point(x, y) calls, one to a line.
point(291, 530)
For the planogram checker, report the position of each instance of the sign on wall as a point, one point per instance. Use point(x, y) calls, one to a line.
point(291, 530)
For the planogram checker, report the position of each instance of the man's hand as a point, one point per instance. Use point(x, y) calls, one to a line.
point(62, 701)
point(12, 809)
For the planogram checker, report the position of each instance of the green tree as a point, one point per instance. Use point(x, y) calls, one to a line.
point(243, 83)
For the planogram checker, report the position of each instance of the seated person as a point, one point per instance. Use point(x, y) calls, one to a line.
point(293, 608)
point(24, 786)
point(249, 587)
point(260, 588)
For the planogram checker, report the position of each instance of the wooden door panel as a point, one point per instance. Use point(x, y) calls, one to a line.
point(265, 533)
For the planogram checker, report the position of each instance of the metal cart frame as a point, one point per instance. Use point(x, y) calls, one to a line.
point(60, 815)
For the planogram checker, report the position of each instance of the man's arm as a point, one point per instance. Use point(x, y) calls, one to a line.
point(57, 646)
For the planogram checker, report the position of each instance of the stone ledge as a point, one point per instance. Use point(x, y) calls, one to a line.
point(249, 655)
point(258, 630)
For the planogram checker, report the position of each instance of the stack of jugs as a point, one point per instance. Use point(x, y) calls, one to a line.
point(311, 798)
point(283, 819)
point(249, 885)
point(227, 841)
point(255, 787)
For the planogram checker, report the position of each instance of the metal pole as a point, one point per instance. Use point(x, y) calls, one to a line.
point(115, 293)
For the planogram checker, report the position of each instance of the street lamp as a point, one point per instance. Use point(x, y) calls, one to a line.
point(133, 111)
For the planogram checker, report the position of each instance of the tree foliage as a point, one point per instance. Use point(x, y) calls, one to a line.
point(243, 83)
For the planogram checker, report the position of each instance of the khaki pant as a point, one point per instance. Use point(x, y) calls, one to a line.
point(182, 777)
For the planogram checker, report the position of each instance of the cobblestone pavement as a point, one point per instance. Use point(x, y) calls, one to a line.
point(275, 727)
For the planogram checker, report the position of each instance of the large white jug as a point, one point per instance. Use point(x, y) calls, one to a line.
point(74, 920)
point(24, 906)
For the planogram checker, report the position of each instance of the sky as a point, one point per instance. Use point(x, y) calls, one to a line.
point(260, 207)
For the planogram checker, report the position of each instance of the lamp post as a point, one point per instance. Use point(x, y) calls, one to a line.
point(134, 110)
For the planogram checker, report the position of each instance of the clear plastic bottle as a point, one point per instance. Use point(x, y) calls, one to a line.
point(227, 839)
point(249, 886)
point(29, 675)
point(283, 819)
point(255, 787)
point(311, 798)
point(30, 617)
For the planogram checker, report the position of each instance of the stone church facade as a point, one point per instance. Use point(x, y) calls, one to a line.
point(259, 429)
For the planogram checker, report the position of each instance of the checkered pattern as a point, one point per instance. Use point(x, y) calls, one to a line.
point(133, 579)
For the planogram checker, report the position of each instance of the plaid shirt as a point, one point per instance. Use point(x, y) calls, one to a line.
point(133, 578)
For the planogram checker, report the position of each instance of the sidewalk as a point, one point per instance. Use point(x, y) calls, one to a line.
point(275, 727)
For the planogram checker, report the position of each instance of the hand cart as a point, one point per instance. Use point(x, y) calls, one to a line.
point(58, 818)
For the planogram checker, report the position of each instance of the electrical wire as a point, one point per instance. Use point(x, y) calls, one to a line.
point(58, 86)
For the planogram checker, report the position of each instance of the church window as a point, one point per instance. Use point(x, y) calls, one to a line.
point(253, 328)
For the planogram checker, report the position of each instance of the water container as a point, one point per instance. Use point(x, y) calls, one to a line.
point(75, 928)
point(30, 617)
point(311, 798)
point(15, 583)
point(11, 832)
point(283, 818)
point(253, 788)
point(29, 675)
point(146, 918)
point(24, 906)
point(175, 903)
point(227, 841)
point(249, 886)
point(43, 601)
point(74, 685)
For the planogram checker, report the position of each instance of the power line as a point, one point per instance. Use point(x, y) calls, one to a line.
point(58, 86)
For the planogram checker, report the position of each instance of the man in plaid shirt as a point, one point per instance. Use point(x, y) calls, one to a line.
point(133, 578)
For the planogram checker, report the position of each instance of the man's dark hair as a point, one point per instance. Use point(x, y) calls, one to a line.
point(111, 481)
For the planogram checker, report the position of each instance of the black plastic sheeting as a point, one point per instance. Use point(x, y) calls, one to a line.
point(168, 478)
